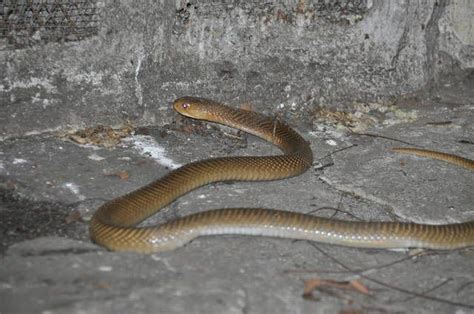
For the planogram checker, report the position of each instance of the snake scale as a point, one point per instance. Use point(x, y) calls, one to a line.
point(114, 224)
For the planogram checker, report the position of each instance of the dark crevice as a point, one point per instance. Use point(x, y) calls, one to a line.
point(402, 43)
point(25, 219)
point(432, 41)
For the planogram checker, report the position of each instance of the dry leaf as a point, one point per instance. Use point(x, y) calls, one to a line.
point(123, 175)
point(350, 311)
point(313, 284)
point(100, 135)
point(73, 216)
point(358, 286)
point(78, 139)
point(103, 285)
point(334, 116)
point(11, 184)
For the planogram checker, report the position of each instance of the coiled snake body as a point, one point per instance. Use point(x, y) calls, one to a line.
point(113, 224)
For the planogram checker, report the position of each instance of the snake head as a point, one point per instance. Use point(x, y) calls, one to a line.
point(193, 107)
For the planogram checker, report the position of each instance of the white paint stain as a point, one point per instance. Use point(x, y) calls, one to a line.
point(32, 82)
point(95, 157)
point(93, 78)
point(74, 188)
point(19, 161)
point(147, 146)
point(39, 132)
point(106, 268)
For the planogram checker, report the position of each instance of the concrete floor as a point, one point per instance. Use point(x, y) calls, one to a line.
point(51, 186)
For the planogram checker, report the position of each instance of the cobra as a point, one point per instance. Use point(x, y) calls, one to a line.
point(114, 224)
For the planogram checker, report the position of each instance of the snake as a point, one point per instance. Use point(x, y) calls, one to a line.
point(450, 158)
point(115, 224)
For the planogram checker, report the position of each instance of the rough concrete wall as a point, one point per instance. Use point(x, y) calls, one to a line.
point(456, 36)
point(297, 53)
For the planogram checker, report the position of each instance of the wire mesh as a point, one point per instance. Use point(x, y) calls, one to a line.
point(29, 22)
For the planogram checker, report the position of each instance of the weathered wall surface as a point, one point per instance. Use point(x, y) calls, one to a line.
point(298, 53)
point(457, 33)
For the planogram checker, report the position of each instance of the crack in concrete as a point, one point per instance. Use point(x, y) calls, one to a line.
point(365, 196)
point(402, 43)
point(432, 39)
point(53, 252)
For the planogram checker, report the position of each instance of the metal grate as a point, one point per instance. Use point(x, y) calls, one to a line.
point(29, 22)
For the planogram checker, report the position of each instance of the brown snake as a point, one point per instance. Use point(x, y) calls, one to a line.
point(113, 224)
point(457, 160)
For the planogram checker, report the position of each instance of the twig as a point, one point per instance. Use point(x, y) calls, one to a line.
point(439, 122)
point(336, 211)
point(384, 284)
point(382, 136)
point(360, 270)
point(424, 292)
point(464, 286)
point(336, 151)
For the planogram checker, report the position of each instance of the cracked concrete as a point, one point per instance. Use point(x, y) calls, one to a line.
point(355, 78)
point(59, 270)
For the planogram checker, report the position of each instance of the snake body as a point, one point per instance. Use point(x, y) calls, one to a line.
point(114, 224)
point(457, 160)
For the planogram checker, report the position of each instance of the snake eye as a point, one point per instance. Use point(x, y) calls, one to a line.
point(185, 105)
